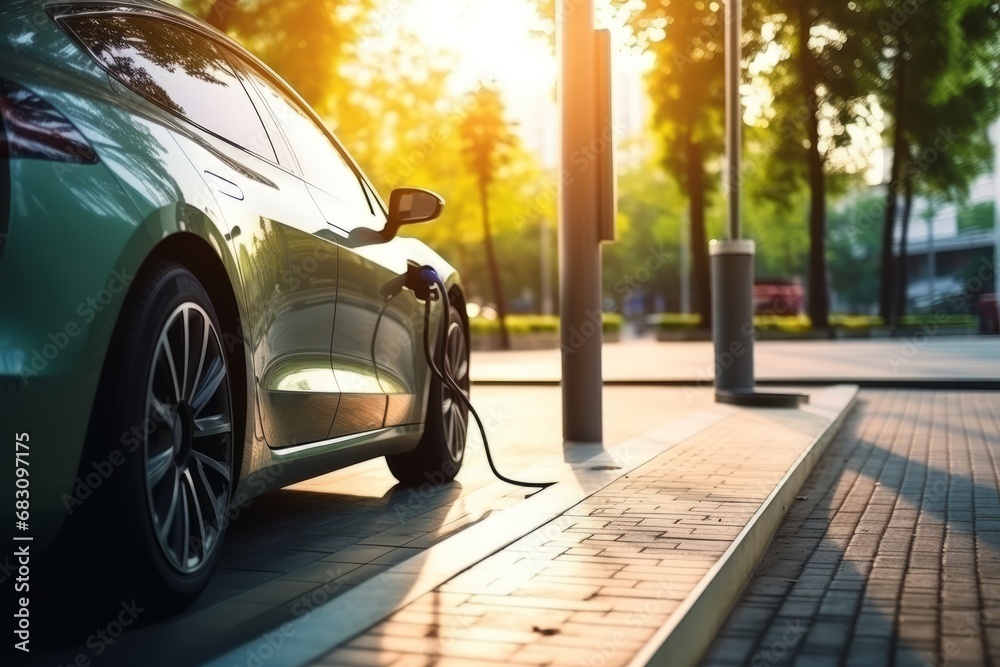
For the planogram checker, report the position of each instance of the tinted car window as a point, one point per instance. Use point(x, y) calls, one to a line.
point(178, 70)
point(321, 161)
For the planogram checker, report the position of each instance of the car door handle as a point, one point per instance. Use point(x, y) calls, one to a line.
point(224, 186)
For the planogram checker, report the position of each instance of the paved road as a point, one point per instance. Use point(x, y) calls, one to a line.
point(892, 554)
point(969, 357)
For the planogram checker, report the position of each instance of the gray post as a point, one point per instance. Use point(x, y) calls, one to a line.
point(732, 260)
point(732, 314)
point(734, 111)
point(579, 246)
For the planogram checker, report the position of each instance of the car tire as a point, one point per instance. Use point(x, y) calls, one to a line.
point(438, 456)
point(166, 407)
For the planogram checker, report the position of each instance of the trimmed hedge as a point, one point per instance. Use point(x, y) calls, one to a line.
point(526, 324)
point(674, 321)
point(802, 323)
point(940, 319)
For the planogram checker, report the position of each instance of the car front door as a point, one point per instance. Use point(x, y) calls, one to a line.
point(372, 395)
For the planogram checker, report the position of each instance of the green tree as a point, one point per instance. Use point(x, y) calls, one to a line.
point(820, 85)
point(646, 258)
point(855, 227)
point(305, 41)
point(687, 90)
point(942, 93)
point(686, 87)
point(486, 140)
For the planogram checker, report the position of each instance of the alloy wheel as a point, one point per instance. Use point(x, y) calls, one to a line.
point(188, 439)
point(456, 365)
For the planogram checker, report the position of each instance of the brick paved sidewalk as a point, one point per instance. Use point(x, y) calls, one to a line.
point(592, 586)
point(894, 557)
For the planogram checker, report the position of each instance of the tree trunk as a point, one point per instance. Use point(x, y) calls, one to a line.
point(819, 291)
point(902, 272)
point(464, 268)
point(491, 262)
point(899, 151)
point(701, 287)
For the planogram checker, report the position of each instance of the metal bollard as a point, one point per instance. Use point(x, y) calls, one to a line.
point(732, 266)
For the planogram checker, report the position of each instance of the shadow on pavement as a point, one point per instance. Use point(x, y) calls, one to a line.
point(879, 567)
point(287, 553)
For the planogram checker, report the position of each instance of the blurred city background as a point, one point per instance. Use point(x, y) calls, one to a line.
point(871, 174)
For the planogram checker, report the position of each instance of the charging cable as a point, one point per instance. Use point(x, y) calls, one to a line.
point(430, 277)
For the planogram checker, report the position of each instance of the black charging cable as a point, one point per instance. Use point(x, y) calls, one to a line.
point(430, 277)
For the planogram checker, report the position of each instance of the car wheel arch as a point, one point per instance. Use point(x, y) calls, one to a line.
point(198, 256)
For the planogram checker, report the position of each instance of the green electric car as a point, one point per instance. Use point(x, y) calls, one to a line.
point(202, 298)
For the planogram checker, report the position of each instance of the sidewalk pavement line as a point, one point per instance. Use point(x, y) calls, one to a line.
point(333, 623)
point(685, 637)
point(943, 384)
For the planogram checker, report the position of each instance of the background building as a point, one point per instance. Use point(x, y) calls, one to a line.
point(949, 244)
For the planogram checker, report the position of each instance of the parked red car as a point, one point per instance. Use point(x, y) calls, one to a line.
point(778, 295)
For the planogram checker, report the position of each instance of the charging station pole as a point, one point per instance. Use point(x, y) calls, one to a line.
point(583, 199)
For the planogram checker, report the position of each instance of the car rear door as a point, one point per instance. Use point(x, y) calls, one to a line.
point(289, 274)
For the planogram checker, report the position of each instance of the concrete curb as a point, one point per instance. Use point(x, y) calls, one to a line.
point(684, 639)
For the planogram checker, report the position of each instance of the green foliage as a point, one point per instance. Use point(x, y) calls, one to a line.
point(687, 83)
point(486, 138)
point(941, 91)
point(485, 134)
point(647, 255)
point(944, 57)
point(825, 70)
point(778, 224)
point(978, 217)
point(516, 324)
point(853, 250)
point(611, 322)
point(305, 41)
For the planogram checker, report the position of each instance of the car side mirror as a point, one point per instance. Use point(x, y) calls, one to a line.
point(409, 206)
